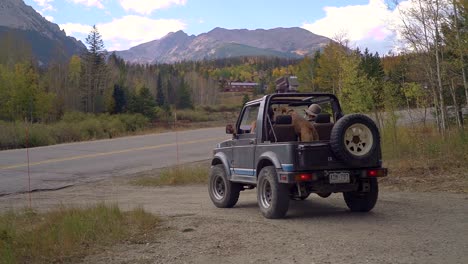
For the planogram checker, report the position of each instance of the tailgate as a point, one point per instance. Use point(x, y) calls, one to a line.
point(319, 156)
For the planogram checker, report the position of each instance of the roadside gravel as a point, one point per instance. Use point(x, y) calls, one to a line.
point(405, 227)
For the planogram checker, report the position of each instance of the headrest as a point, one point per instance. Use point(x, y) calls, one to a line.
point(284, 120)
point(322, 118)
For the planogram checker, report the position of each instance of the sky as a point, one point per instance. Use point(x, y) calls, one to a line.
point(127, 23)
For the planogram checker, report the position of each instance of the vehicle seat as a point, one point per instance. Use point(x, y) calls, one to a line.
point(283, 129)
point(323, 126)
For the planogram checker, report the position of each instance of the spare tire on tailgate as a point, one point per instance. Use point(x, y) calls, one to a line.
point(355, 140)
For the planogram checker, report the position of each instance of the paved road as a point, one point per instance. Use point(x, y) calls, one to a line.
point(57, 166)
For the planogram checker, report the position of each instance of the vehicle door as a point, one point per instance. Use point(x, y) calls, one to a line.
point(244, 145)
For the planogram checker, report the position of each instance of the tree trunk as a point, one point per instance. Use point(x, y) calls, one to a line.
point(409, 111)
point(457, 108)
point(459, 44)
point(443, 110)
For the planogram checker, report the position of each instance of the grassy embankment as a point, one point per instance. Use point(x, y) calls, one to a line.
point(69, 234)
point(76, 126)
point(419, 158)
point(81, 127)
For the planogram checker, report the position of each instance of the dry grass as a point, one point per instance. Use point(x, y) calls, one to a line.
point(421, 159)
point(232, 98)
point(178, 175)
point(82, 127)
point(68, 234)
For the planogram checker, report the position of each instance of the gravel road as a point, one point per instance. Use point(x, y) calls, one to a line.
point(405, 227)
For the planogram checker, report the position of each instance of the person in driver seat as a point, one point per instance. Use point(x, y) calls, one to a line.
point(271, 115)
point(312, 112)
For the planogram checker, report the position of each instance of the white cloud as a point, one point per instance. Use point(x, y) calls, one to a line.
point(357, 21)
point(74, 28)
point(365, 25)
point(128, 31)
point(89, 3)
point(146, 7)
point(45, 4)
point(50, 18)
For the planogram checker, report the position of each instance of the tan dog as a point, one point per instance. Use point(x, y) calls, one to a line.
point(302, 127)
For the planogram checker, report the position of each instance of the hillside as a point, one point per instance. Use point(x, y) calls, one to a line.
point(20, 23)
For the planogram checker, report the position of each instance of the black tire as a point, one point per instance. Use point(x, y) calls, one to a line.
point(355, 152)
point(272, 197)
point(363, 201)
point(223, 192)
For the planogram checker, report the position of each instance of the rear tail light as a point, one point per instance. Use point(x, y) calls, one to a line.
point(305, 177)
point(376, 173)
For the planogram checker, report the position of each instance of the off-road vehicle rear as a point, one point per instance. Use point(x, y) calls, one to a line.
point(266, 152)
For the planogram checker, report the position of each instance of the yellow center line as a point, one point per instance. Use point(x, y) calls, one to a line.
point(108, 153)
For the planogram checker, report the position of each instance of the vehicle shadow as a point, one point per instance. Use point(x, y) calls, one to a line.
point(323, 209)
point(315, 208)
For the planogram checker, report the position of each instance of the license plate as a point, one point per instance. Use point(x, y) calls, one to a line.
point(339, 177)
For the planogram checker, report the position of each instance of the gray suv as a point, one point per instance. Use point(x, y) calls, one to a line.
point(266, 152)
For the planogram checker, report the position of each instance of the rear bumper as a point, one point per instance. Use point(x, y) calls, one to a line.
point(322, 177)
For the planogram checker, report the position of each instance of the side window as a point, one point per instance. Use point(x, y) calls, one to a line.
point(248, 120)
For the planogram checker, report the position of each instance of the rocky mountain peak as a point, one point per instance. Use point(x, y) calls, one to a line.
point(28, 25)
point(221, 42)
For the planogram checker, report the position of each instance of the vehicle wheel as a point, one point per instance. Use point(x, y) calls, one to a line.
point(272, 197)
point(362, 201)
point(223, 192)
point(355, 139)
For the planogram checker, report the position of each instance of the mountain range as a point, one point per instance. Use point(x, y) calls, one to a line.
point(224, 43)
point(47, 42)
point(20, 23)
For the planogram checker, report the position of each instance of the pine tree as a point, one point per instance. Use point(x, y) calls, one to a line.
point(94, 71)
point(184, 97)
point(160, 98)
point(120, 99)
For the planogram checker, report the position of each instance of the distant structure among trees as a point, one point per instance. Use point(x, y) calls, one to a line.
point(240, 86)
point(287, 84)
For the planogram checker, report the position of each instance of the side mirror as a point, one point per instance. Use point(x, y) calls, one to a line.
point(229, 129)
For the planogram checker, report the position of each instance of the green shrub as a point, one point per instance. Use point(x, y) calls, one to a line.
point(74, 126)
point(74, 117)
point(133, 122)
point(113, 127)
point(177, 175)
point(40, 135)
point(11, 135)
point(220, 108)
point(66, 132)
point(91, 128)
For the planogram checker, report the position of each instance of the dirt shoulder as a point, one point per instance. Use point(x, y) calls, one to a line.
point(405, 227)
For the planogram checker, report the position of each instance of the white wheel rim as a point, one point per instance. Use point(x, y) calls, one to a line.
point(266, 193)
point(358, 139)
